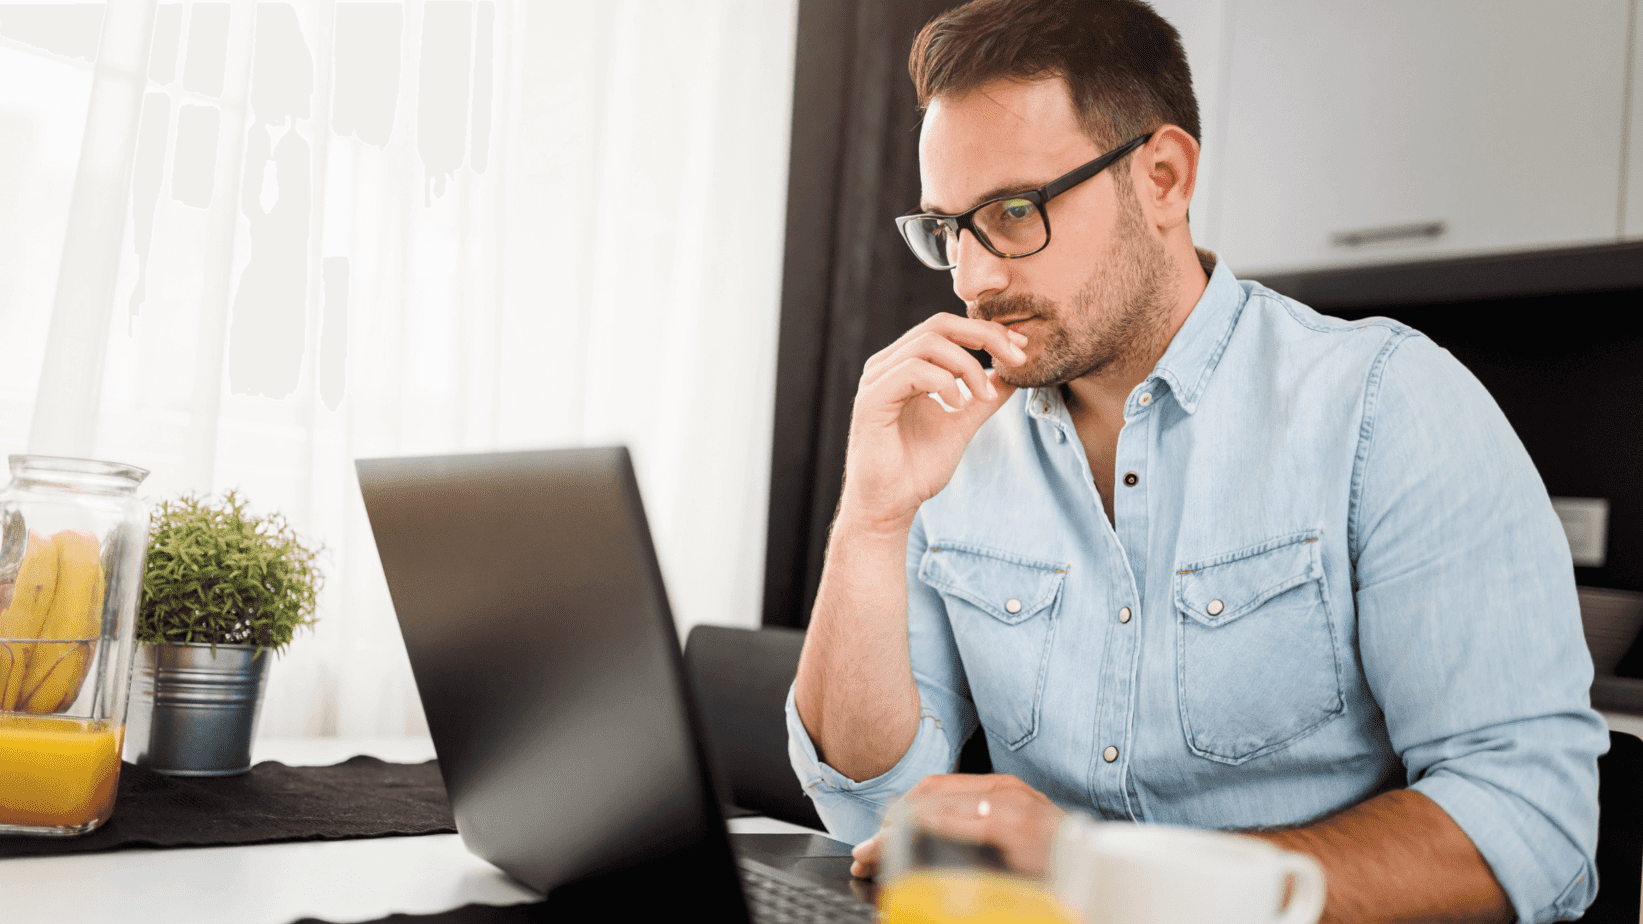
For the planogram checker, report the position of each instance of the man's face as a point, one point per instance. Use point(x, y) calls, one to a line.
point(1093, 300)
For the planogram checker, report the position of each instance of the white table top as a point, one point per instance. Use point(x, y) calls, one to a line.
point(340, 881)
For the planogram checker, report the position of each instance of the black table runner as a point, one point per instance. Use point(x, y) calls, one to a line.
point(528, 913)
point(362, 797)
point(359, 798)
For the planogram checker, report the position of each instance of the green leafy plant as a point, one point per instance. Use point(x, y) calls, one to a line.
point(220, 575)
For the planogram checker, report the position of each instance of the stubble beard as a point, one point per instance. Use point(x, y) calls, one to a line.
point(1082, 339)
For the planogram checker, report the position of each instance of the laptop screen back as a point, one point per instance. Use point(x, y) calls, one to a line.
point(545, 656)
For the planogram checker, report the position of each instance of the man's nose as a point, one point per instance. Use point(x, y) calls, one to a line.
point(979, 272)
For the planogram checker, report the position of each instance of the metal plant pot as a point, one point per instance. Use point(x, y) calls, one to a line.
point(194, 709)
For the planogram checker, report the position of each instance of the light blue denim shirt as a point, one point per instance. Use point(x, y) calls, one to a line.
point(1334, 571)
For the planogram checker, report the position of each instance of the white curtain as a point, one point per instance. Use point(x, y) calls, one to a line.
point(372, 229)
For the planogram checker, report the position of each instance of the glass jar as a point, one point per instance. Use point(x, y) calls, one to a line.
point(73, 541)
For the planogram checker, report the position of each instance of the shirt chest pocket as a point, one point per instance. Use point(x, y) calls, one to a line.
point(1002, 609)
point(1258, 666)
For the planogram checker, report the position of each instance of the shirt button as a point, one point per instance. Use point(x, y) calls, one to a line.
point(1124, 614)
point(1130, 478)
point(1012, 606)
point(1215, 607)
point(1145, 399)
point(1110, 754)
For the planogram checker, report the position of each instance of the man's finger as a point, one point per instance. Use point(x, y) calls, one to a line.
point(936, 350)
point(976, 334)
point(976, 414)
point(911, 379)
point(865, 858)
point(1014, 819)
point(969, 332)
point(1003, 344)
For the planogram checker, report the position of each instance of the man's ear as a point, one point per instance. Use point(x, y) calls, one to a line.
point(1167, 174)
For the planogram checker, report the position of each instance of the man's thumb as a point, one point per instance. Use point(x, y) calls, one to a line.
point(980, 408)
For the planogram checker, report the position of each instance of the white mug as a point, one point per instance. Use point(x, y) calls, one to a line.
point(1112, 872)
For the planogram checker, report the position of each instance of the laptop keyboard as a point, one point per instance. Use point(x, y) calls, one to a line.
point(779, 901)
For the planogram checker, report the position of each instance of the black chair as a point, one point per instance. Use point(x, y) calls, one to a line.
point(1619, 832)
point(740, 679)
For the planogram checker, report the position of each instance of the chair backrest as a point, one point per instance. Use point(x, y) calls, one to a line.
point(740, 678)
point(1619, 832)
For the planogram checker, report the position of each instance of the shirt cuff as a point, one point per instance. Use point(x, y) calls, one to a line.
point(1545, 877)
point(852, 810)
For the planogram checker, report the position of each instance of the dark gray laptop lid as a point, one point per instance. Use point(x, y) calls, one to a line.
point(547, 662)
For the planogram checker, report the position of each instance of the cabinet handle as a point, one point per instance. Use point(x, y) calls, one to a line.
point(1389, 233)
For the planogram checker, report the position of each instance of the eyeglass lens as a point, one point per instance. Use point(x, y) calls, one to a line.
point(1010, 227)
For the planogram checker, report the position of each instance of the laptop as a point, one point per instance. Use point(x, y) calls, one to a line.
point(538, 629)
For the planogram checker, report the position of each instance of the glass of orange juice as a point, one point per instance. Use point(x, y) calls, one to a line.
point(931, 874)
point(73, 538)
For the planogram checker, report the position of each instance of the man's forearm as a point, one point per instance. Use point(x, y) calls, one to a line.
point(855, 691)
point(1398, 857)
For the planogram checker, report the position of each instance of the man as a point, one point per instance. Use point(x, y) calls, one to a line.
point(1189, 552)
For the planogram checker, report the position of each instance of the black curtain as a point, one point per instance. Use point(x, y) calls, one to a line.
point(849, 284)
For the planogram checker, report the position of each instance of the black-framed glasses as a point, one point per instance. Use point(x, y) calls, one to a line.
point(1011, 227)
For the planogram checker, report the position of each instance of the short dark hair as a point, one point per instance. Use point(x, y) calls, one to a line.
point(1123, 63)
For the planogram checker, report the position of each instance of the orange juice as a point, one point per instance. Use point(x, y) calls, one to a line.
point(57, 772)
point(963, 897)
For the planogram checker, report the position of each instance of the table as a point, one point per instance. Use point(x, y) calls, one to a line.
point(340, 881)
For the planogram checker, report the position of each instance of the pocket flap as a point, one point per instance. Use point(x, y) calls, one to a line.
point(1220, 589)
point(993, 581)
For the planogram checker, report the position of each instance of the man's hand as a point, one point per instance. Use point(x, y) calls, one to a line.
point(903, 445)
point(1004, 813)
point(1396, 857)
point(854, 691)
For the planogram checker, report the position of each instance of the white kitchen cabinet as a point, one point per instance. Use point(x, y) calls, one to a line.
point(1203, 34)
point(1633, 216)
point(1400, 130)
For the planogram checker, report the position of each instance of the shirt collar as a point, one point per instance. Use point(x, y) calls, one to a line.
point(1196, 349)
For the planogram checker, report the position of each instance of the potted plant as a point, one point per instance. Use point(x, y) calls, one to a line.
point(221, 589)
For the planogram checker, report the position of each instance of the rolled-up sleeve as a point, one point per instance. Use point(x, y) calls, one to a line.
point(1469, 628)
point(851, 809)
